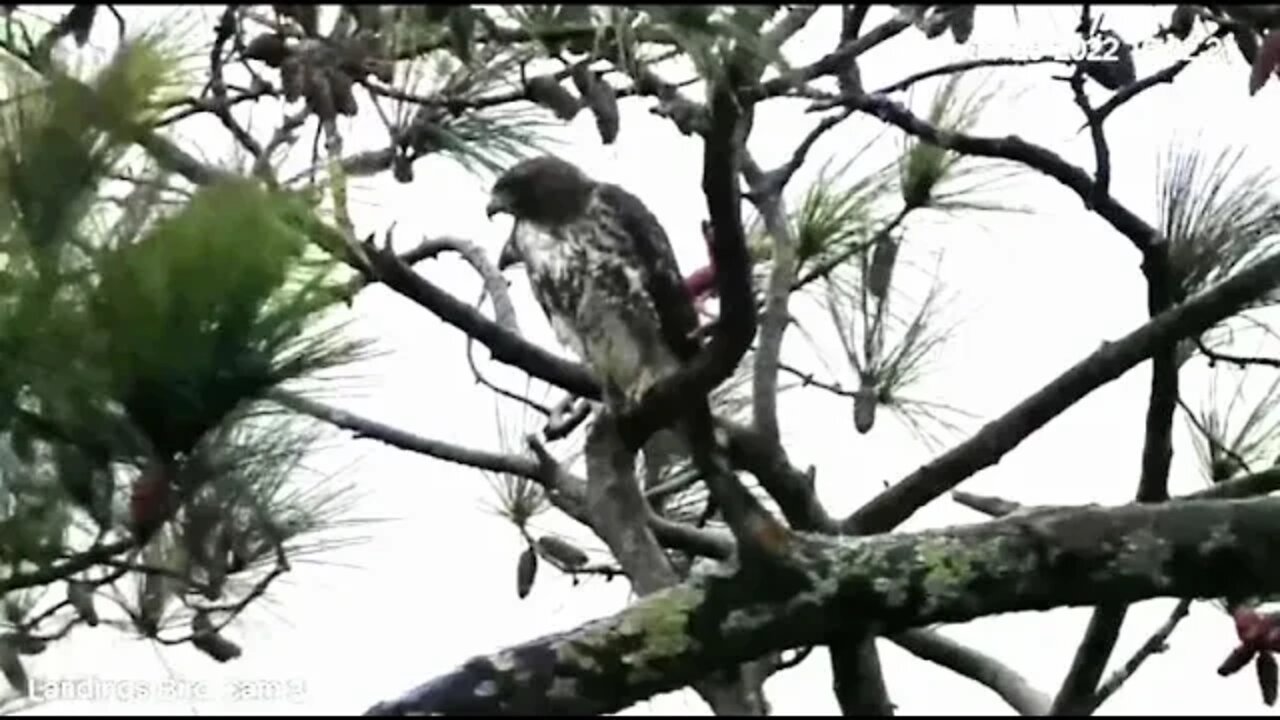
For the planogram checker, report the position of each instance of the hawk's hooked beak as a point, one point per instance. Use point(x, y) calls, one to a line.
point(497, 204)
point(510, 255)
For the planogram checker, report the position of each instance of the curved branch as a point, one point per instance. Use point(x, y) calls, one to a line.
point(1157, 643)
point(495, 285)
point(1112, 360)
point(505, 345)
point(373, 429)
point(1003, 680)
point(736, 325)
point(565, 491)
point(1013, 148)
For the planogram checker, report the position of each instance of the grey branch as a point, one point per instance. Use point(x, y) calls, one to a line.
point(1056, 558)
point(495, 285)
point(566, 492)
point(1112, 360)
point(617, 512)
point(774, 320)
point(1003, 680)
point(370, 428)
point(1157, 643)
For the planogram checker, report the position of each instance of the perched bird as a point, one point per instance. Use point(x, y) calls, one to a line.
point(602, 268)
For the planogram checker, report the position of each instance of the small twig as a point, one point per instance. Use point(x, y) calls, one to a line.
point(1157, 643)
point(1213, 441)
point(1003, 680)
point(832, 62)
point(508, 394)
point(221, 106)
point(1101, 153)
point(1165, 75)
point(963, 66)
point(191, 106)
point(830, 264)
point(809, 379)
point(372, 429)
point(285, 134)
point(773, 182)
point(1240, 361)
point(77, 563)
point(988, 505)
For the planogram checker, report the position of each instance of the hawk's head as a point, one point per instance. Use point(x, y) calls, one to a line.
point(546, 190)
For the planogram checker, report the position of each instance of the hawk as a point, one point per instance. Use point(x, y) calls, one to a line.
point(601, 267)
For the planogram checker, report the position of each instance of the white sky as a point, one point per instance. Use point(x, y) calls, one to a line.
point(434, 583)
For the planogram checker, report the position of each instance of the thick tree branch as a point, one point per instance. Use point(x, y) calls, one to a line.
point(617, 509)
point(736, 325)
point(1051, 558)
point(766, 195)
point(1079, 687)
point(773, 325)
point(856, 675)
point(617, 513)
point(1112, 360)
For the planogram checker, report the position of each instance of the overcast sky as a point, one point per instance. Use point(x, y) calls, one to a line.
point(1030, 295)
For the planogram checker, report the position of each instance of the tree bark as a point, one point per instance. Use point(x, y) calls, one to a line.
point(1029, 560)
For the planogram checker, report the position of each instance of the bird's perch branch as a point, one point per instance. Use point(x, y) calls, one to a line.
point(617, 513)
point(505, 345)
point(566, 492)
point(1034, 561)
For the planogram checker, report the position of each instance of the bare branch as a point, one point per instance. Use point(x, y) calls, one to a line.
point(368, 428)
point(1157, 643)
point(1240, 361)
point(1013, 148)
point(998, 437)
point(736, 325)
point(565, 491)
point(792, 488)
point(505, 345)
point(617, 509)
point(617, 512)
point(221, 105)
point(962, 66)
point(991, 506)
point(1165, 75)
point(833, 62)
point(1006, 682)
